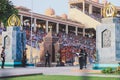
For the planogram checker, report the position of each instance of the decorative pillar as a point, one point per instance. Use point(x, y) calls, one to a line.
point(76, 30)
point(83, 6)
point(90, 9)
point(83, 32)
point(57, 28)
point(66, 29)
point(46, 26)
point(14, 41)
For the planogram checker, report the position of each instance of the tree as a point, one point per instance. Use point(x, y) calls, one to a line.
point(6, 10)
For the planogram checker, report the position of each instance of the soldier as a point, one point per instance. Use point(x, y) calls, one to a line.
point(3, 57)
point(81, 59)
point(85, 57)
point(47, 59)
point(24, 58)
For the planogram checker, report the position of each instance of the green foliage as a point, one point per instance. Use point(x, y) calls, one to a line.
point(6, 10)
point(117, 70)
point(107, 70)
point(104, 71)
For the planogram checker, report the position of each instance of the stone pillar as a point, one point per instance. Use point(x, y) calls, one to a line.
point(90, 9)
point(46, 26)
point(83, 32)
point(21, 19)
point(14, 41)
point(34, 24)
point(50, 27)
point(76, 30)
point(66, 29)
point(57, 28)
point(83, 6)
point(108, 43)
point(101, 11)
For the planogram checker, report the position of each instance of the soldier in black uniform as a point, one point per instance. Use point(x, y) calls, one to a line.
point(81, 59)
point(85, 57)
point(47, 59)
point(24, 58)
point(3, 57)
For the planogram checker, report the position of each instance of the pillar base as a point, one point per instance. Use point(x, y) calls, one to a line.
point(98, 66)
point(15, 64)
point(12, 64)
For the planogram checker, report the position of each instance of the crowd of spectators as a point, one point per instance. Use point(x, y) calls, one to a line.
point(96, 16)
point(37, 37)
point(69, 43)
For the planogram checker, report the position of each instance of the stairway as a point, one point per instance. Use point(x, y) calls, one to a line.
point(79, 16)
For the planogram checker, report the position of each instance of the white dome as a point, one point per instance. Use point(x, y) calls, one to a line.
point(49, 12)
point(64, 16)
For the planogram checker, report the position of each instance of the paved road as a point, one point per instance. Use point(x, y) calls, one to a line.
point(74, 70)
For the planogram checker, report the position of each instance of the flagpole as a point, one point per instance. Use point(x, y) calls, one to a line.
point(31, 56)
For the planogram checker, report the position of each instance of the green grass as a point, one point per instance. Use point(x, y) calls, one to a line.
point(57, 77)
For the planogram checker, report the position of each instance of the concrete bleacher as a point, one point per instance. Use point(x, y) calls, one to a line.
point(78, 15)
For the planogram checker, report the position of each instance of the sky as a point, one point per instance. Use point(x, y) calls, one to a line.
point(60, 6)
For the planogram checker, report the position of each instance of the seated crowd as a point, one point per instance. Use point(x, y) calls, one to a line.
point(69, 43)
